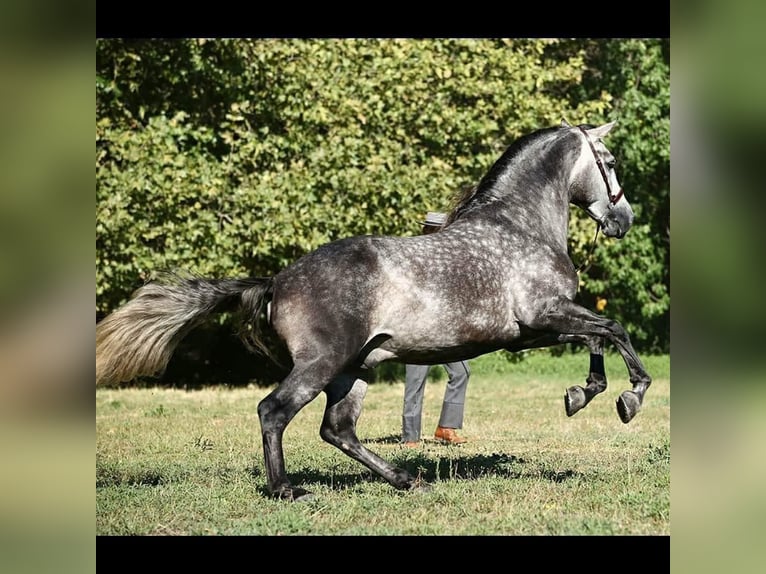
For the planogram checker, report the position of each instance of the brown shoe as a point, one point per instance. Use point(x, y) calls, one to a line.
point(411, 444)
point(448, 436)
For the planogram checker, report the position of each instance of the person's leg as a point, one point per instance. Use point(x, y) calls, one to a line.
point(414, 388)
point(454, 395)
point(451, 417)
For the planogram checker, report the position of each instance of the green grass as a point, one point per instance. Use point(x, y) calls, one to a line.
point(190, 462)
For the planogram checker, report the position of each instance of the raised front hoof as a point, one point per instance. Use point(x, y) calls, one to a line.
point(293, 494)
point(574, 400)
point(628, 406)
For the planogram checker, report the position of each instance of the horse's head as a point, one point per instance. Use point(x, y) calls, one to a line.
point(594, 185)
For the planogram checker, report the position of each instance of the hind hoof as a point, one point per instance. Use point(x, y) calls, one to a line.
point(628, 406)
point(574, 400)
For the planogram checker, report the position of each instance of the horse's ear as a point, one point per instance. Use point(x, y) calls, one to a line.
point(565, 124)
point(601, 131)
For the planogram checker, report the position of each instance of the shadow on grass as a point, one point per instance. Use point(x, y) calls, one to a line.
point(429, 465)
point(431, 468)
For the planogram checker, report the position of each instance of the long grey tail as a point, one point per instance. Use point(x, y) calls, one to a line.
point(139, 338)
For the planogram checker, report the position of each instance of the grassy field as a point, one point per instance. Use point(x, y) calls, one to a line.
point(174, 462)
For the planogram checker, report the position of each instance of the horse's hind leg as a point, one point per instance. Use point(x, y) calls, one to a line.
point(344, 405)
point(576, 396)
point(275, 412)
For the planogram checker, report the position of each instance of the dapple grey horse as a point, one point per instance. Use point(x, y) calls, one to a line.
point(496, 276)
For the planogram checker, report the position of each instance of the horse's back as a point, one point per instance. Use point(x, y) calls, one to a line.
point(413, 292)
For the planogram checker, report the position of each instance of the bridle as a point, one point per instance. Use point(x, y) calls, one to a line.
point(613, 199)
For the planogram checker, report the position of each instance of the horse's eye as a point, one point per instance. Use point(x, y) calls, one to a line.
point(611, 163)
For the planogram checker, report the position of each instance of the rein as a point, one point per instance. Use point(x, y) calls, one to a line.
point(612, 198)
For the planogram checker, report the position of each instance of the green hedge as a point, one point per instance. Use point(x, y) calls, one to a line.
point(235, 157)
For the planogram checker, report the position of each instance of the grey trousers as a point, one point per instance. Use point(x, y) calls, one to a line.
point(454, 398)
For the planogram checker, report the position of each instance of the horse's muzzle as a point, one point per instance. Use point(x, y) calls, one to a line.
point(612, 229)
point(617, 222)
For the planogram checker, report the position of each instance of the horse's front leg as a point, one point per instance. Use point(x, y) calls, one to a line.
point(576, 396)
point(568, 318)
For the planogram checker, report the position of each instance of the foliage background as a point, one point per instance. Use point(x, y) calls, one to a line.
point(235, 157)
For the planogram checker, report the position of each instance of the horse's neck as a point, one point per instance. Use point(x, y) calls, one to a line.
point(534, 209)
point(528, 188)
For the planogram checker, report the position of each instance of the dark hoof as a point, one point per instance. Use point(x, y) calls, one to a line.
point(628, 406)
point(574, 400)
point(294, 494)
